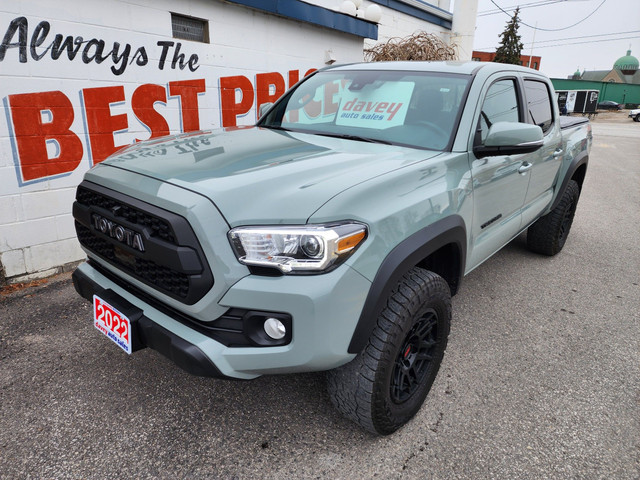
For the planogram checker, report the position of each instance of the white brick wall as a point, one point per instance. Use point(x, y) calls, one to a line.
point(36, 228)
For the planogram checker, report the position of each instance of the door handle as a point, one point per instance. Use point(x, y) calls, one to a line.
point(525, 167)
point(558, 153)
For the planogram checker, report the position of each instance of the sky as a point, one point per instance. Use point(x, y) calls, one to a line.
point(593, 44)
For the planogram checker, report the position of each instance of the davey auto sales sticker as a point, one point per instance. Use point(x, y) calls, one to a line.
point(379, 107)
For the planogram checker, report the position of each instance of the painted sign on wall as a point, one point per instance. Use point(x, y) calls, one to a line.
point(77, 85)
point(44, 143)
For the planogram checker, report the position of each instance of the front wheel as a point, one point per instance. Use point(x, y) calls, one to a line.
point(549, 233)
point(387, 383)
point(636, 118)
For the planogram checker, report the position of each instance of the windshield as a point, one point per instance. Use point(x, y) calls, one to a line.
point(417, 109)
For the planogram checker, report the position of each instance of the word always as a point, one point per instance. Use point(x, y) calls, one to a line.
point(93, 50)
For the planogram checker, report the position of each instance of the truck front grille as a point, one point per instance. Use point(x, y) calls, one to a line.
point(158, 227)
point(170, 258)
point(162, 277)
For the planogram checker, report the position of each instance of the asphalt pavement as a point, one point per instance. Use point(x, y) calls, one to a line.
point(541, 378)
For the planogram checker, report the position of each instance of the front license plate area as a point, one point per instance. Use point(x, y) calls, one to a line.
point(112, 323)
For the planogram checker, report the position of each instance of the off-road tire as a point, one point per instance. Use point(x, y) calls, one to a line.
point(386, 384)
point(549, 234)
point(636, 118)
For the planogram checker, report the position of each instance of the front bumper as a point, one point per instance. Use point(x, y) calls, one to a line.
point(149, 334)
point(324, 310)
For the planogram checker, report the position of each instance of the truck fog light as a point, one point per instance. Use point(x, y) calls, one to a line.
point(275, 328)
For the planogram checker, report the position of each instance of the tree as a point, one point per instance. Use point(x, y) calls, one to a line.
point(510, 45)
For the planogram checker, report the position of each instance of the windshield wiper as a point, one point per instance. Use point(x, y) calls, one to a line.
point(354, 137)
point(274, 127)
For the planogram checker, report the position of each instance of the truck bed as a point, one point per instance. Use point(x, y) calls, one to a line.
point(568, 122)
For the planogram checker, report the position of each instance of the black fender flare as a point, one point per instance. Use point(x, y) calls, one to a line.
point(404, 256)
point(582, 159)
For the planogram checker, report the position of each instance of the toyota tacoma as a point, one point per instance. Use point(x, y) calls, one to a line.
point(332, 234)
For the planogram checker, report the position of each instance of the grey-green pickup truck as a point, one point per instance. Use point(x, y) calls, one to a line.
point(332, 234)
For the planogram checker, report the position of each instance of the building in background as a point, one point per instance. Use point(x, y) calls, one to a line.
point(625, 70)
point(525, 60)
point(80, 79)
point(620, 84)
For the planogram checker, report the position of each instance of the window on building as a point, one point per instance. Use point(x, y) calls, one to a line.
point(535, 65)
point(539, 104)
point(189, 28)
point(476, 59)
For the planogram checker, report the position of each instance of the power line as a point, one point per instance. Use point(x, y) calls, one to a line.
point(550, 29)
point(575, 38)
point(540, 3)
point(590, 41)
point(571, 43)
point(581, 37)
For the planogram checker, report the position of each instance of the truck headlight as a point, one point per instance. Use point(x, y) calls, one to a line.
point(303, 249)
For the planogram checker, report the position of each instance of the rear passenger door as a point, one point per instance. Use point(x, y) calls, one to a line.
point(546, 161)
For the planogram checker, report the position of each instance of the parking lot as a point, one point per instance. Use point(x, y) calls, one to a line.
point(541, 378)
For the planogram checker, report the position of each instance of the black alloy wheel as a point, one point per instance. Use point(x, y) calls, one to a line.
point(549, 233)
point(415, 358)
point(386, 384)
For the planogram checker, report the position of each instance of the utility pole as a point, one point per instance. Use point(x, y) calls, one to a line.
point(463, 28)
point(535, 29)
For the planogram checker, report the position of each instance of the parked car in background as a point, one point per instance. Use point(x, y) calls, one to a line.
point(635, 114)
point(609, 105)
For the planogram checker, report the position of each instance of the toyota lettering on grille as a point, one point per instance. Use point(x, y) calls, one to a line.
point(118, 232)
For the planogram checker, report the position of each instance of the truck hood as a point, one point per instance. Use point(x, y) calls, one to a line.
point(261, 176)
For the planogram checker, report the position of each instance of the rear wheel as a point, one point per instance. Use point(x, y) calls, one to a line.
point(549, 234)
point(386, 384)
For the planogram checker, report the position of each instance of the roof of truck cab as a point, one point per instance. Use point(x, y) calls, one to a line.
point(465, 68)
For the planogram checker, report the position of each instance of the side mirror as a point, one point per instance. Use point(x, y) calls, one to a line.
point(264, 108)
point(509, 138)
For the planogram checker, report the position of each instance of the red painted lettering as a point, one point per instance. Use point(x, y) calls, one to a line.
point(264, 82)
point(294, 76)
point(142, 103)
point(228, 105)
point(38, 119)
point(101, 124)
point(188, 91)
point(330, 89)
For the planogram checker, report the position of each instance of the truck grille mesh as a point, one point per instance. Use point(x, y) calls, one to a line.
point(160, 276)
point(173, 263)
point(158, 227)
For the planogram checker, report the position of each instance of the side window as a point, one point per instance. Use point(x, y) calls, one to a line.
point(500, 105)
point(539, 104)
